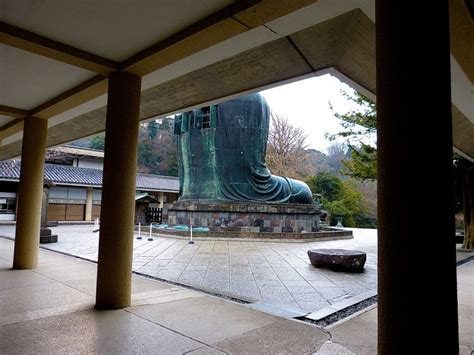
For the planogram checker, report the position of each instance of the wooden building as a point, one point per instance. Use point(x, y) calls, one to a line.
point(77, 192)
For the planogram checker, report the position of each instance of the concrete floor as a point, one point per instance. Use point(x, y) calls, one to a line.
point(50, 310)
point(358, 334)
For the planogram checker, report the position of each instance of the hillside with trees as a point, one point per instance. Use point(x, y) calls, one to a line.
point(156, 147)
point(350, 200)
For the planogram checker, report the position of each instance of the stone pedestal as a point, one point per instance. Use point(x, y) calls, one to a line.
point(246, 216)
point(46, 236)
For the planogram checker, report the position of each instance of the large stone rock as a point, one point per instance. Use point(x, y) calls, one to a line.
point(338, 259)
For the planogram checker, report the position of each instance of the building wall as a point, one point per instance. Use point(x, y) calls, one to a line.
point(89, 162)
point(7, 206)
point(65, 203)
point(169, 197)
point(66, 212)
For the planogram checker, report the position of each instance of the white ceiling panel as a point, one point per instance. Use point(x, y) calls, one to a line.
point(114, 29)
point(28, 80)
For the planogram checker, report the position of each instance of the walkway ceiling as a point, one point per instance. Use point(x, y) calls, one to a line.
point(55, 57)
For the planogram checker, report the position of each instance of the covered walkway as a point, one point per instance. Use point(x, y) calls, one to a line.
point(73, 70)
point(50, 310)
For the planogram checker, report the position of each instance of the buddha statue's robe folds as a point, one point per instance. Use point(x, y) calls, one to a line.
point(221, 154)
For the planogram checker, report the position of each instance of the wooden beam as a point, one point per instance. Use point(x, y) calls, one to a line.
point(462, 34)
point(11, 128)
point(269, 10)
point(13, 112)
point(34, 43)
point(78, 95)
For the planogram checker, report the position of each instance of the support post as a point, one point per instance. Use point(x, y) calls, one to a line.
point(114, 271)
point(30, 193)
point(416, 256)
point(161, 198)
point(89, 195)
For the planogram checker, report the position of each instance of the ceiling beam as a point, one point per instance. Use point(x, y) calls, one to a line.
point(203, 34)
point(268, 10)
point(13, 112)
point(34, 43)
point(11, 128)
point(78, 95)
point(462, 34)
point(237, 18)
point(229, 22)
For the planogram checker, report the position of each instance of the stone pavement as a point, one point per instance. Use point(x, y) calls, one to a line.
point(270, 272)
point(53, 306)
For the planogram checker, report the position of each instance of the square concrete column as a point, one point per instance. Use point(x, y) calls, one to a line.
point(114, 270)
point(30, 193)
point(90, 192)
point(417, 301)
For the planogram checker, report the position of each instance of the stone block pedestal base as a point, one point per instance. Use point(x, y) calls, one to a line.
point(246, 217)
point(47, 237)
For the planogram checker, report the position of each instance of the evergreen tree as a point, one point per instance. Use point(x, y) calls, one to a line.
point(98, 142)
point(341, 200)
point(152, 129)
point(358, 126)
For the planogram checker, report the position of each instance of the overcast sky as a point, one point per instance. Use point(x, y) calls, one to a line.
point(306, 105)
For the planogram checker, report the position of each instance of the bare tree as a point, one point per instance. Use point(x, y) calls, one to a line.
point(286, 153)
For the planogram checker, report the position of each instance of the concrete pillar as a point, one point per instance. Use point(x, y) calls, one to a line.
point(114, 270)
point(90, 191)
point(161, 198)
point(30, 193)
point(417, 301)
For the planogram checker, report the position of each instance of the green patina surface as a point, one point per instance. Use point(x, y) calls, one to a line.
point(221, 153)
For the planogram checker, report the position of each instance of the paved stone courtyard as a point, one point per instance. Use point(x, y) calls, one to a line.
point(272, 272)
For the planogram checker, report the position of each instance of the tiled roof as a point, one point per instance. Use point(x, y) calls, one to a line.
point(64, 175)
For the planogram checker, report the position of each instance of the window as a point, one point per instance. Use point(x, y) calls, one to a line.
point(7, 205)
point(206, 117)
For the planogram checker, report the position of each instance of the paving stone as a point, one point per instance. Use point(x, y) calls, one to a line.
point(313, 297)
point(205, 350)
point(42, 296)
point(107, 332)
point(278, 309)
point(308, 306)
point(350, 334)
point(330, 293)
point(283, 337)
point(214, 316)
point(20, 278)
point(230, 264)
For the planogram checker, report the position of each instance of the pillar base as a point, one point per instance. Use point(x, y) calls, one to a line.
point(46, 236)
